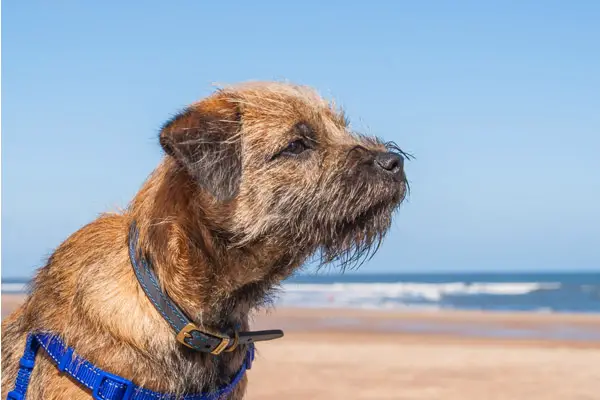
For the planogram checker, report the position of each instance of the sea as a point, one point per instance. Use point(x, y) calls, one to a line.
point(571, 292)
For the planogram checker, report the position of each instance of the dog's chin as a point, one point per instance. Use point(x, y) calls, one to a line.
point(356, 239)
point(345, 240)
point(383, 205)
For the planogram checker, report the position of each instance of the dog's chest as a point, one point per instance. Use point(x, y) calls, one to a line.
point(191, 372)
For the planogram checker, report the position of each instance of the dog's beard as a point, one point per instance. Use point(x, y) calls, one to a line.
point(352, 241)
point(342, 230)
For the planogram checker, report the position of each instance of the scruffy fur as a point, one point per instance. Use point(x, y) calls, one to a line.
point(236, 206)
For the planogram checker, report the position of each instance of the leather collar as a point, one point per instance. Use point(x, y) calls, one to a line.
point(187, 333)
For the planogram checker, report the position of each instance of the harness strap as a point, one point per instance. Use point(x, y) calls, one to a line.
point(104, 385)
point(25, 367)
point(187, 333)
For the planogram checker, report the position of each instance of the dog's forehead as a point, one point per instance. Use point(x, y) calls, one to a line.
point(279, 106)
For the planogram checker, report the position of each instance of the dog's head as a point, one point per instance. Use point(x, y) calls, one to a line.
point(289, 169)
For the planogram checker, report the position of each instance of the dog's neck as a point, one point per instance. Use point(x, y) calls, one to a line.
point(217, 286)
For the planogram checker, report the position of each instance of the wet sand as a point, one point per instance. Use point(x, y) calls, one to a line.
point(355, 354)
point(428, 355)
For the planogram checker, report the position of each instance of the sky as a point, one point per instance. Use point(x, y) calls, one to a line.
point(498, 101)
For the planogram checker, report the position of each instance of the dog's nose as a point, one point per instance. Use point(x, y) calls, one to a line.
point(388, 162)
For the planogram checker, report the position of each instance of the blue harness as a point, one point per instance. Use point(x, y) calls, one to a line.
point(107, 386)
point(104, 385)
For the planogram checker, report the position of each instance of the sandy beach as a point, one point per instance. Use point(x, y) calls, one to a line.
point(356, 354)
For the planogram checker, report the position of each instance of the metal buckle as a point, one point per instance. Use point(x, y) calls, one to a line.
point(221, 346)
point(185, 333)
point(236, 341)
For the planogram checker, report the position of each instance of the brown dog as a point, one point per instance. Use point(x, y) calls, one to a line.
point(256, 179)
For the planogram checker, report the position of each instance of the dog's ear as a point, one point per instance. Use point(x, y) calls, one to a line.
point(204, 139)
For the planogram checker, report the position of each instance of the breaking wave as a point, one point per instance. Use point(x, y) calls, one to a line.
point(402, 295)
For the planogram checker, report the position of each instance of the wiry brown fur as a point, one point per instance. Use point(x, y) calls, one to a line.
point(224, 218)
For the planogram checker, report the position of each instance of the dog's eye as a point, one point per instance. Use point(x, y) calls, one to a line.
point(294, 148)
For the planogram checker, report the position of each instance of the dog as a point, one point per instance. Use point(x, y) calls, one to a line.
point(256, 179)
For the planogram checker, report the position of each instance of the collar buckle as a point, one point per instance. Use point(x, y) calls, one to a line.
point(185, 333)
point(236, 341)
point(222, 345)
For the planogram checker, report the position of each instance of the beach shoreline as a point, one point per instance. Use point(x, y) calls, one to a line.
point(581, 329)
point(450, 355)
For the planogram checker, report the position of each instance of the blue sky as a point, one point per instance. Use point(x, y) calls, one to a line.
point(499, 103)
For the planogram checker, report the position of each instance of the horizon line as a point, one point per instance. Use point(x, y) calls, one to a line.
point(432, 272)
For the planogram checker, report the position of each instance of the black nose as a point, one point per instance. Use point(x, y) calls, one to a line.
point(389, 162)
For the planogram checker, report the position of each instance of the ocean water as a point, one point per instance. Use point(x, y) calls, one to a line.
point(539, 292)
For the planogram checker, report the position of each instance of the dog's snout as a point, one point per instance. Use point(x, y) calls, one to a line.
point(389, 162)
